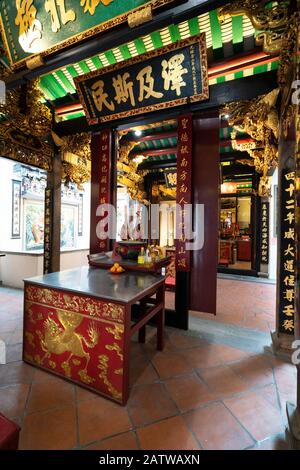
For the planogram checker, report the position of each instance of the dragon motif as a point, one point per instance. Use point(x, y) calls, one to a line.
point(58, 340)
point(259, 119)
point(270, 22)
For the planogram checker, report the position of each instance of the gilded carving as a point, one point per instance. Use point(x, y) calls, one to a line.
point(104, 366)
point(287, 71)
point(259, 119)
point(77, 304)
point(115, 347)
point(76, 157)
point(269, 22)
point(117, 331)
point(139, 17)
point(24, 130)
point(58, 339)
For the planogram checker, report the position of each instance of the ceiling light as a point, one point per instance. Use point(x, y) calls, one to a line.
point(138, 133)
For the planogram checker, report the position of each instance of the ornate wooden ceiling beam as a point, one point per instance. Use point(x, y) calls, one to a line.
point(156, 136)
point(154, 153)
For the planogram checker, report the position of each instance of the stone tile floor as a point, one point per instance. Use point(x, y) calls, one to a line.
point(236, 304)
point(194, 395)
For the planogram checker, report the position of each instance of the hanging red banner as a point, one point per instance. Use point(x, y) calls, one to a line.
point(104, 178)
point(184, 195)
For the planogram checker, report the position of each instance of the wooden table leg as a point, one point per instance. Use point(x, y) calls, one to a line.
point(160, 319)
point(142, 334)
point(142, 330)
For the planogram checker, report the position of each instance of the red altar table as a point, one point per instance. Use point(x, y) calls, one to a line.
point(78, 325)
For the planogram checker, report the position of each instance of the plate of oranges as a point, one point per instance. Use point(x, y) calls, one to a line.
point(116, 269)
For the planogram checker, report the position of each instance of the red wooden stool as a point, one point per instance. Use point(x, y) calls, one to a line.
point(9, 434)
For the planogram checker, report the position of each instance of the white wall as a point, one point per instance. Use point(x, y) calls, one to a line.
point(16, 267)
point(6, 175)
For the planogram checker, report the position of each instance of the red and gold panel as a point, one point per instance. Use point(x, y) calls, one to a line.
point(104, 177)
point(183, 193)
point(76, 337)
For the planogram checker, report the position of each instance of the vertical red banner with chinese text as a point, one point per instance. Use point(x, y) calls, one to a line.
point(100, 186)
point(183, 195)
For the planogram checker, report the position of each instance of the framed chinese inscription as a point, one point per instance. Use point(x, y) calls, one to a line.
point(168, 77)
point(264, 245)
point(288, 260)
point(41, 27)
point(16, 209)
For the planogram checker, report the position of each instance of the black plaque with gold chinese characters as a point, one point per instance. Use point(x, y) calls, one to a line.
point(288, 256)
point(171, 76)
point(264, 245)
point(183, 192)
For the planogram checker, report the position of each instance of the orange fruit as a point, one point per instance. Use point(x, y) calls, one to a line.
point(120, 269)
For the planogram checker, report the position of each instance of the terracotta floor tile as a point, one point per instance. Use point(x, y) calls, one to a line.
point(180, 341)
point(13, 400)
point(189, 392)
point(125, 441)
point(142, 371)
point(273, 443)
point(171, 364)
point(44, 376)
point(16, 372)
point(255, 370)
point(222, 381)
point(216, 428)
point(100, 418)
point(51, 430)
point(269, 393)
point(170, 434)
point(82, 394)
point(256, 414)
point(137, 349)
point(229, 354)
point(50, 394)
point(205, 356)
point(149, 403)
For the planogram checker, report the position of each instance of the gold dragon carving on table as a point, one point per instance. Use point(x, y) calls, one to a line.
point(270, 22)
point(259, 119)
point(58, 340)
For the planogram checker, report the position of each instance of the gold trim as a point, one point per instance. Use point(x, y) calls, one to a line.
point(113, 22)
point(92, 318)
point(200, 38)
